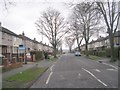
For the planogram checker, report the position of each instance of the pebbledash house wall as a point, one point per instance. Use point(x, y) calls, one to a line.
point(0, 39)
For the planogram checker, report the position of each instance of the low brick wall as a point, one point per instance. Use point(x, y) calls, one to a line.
point(7, 66)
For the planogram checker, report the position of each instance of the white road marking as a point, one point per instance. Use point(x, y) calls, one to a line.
point(112, 69)
point(97, 70)
point(95, 77)
point(61, 76)
point(51, 68)
point(47, 81)
point(79, 75)
point(110, 65)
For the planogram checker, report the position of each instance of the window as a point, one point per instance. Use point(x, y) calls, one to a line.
point(15, 39)
point(8, 49)
point(15, 49)
point(3, 35)
point(0, 49)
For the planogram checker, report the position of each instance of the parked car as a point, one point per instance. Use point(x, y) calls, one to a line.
point(28, 57)
point(77, 53)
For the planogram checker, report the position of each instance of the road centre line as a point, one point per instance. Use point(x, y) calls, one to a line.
point(51, 68)
point(95, 77)
point(112, 69)
point(110, 65)
point(97, 70)
point(48, 79)
point(79, 75)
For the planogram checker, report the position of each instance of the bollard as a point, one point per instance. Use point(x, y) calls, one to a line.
point(14, 60)
point(34, 58)
point(21, 59)
point(6, 62)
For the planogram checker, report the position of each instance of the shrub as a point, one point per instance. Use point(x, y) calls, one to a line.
point(38, 55)
point(116, 52)
point(101, 53)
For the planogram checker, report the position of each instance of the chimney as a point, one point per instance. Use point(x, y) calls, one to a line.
point(23, 33)
point(34, 39)
point(0, 24)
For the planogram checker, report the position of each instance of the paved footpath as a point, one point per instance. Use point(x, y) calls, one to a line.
point(43, 63)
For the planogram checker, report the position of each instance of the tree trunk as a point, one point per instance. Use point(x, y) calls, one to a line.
point(86, 48)
point(78, 44)
point(55, 52)
point(70, 49)
point(111, 39)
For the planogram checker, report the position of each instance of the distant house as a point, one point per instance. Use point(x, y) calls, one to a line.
point(36, 45)
point(27, 42)
point(10, 44)
point(0, 39)
point(102, 43)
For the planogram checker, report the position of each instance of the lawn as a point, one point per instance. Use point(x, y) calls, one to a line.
point(94, 57)
point(23, 78)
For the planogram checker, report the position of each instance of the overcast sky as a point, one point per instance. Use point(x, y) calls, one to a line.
point(23, 15)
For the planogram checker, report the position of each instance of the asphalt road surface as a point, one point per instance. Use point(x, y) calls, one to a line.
point(71, 71)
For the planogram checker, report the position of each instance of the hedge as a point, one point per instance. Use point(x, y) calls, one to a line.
point(38, 55)
point(105, 53)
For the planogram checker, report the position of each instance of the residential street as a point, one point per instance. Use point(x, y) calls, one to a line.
point(71, 71)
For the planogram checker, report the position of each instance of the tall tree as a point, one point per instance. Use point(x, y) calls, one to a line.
point(69, 42)
point(52, 25)
point(7, 3)
point(111, 16)
point(88, 19)
point(74, 31)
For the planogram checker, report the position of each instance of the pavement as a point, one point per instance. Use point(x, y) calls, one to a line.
point(43, 63)
point(71, 71)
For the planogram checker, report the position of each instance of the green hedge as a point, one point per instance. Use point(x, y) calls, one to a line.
point(105, 53)
point(38, 55)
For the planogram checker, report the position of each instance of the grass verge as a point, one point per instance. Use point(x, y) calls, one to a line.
point(92, 57)
point(51, 58)
point(24, 78)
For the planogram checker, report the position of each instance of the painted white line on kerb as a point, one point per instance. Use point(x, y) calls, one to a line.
point(47, 81)
point(97, 70)
point(95, 77)
point(110, 65)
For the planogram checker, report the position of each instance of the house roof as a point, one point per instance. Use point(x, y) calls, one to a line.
point(5, 30)
point(117, 34)
point(25, 37)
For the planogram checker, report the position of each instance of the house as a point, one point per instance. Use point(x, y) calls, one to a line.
point(102, 42)
point(40, 46)
point(7, 43)
point(35, 45)
point(0, 39)
point(27, 43)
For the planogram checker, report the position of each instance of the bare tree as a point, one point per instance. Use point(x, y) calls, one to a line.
point(7, 3)
point(87, 19)
point(111, 16)
point(76, 32)
point(52, 25)
point(69, 42)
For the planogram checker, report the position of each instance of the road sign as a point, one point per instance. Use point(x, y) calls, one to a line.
point(21, 47)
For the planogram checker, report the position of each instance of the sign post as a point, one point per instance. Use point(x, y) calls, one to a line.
point(22, 49)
